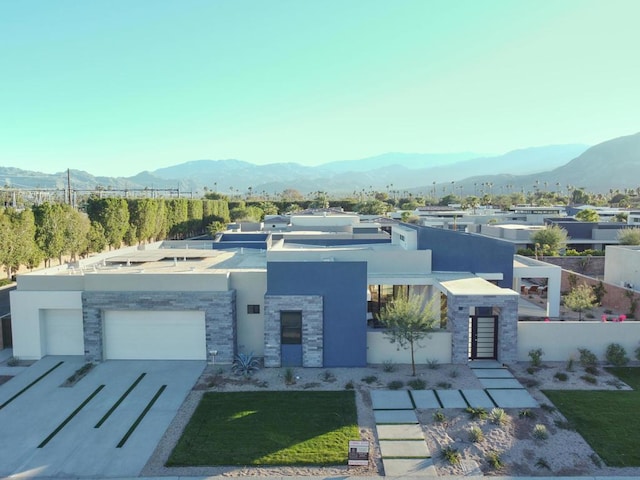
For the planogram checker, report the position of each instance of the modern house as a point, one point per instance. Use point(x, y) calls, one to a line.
point(304, 300)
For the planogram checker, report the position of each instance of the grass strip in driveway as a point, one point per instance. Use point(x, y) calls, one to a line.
point(30, 385)
point(269, 428)
point(70, 417)
point(140, 417)
point(120, 400)
point(607, 420)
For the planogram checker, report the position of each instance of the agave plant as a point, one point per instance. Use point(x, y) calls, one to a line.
point(245, 364)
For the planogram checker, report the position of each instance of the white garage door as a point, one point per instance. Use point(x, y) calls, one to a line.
point(146, 335)
point(62, 332)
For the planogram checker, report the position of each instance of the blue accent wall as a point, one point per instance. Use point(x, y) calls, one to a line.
point(464, 252)
point(343, 286)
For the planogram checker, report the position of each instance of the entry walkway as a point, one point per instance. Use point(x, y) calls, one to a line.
point(402, 443)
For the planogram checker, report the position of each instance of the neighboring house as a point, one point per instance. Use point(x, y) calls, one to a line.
point(293, 300)
point(589, 235)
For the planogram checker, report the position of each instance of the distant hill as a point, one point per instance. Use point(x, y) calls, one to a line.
point(611, 164)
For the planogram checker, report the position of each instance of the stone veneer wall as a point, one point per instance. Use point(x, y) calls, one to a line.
point(312, 309)
point(506, 307)
point(219, 308)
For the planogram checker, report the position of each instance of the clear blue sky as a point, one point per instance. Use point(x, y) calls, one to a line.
point(120, 86)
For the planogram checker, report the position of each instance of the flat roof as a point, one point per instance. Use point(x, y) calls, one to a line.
point(468, 284)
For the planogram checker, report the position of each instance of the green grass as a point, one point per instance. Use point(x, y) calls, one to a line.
point(269, 428)
point(607, 420)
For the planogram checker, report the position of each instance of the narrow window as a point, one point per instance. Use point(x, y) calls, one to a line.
point(291, 328)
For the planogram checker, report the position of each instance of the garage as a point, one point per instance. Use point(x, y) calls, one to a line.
point(61, 332)
point(154, 335)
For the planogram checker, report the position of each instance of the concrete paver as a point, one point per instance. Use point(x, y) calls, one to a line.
point(79, 449)
point(478, 398)
point(391, 400)
point(451, 399)
point(404, 449)
point(492, 373)
point(500, 383)
point(485, 364)
point(400, 432)
point(512, 398)
point(425, 399)
point(395, 416)
point(400, 467)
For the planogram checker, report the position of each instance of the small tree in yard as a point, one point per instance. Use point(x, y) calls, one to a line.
point(409, 319)
point(580, 299)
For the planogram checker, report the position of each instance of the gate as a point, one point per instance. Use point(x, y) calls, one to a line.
point(483, 337)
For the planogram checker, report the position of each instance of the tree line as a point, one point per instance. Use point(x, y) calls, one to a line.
point(50, 231)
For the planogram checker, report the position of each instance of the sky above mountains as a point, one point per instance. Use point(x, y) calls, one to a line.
point(116, 87)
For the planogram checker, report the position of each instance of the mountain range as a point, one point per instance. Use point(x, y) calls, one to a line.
point(614, 164)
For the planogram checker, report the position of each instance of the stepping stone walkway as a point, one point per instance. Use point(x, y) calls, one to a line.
point(402, 445)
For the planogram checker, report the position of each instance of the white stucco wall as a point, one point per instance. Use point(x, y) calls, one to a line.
point(250, 289)
point(622, 265)
point(437, 347)
point(561, 340)
point(28, 311)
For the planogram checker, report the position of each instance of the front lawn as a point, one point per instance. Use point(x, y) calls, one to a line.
point(269, 428)
point(607, 420)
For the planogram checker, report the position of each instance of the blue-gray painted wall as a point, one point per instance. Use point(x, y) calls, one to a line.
point(464, 252)
point(343, 286)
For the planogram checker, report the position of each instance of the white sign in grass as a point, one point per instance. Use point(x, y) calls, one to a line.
point(358, 453)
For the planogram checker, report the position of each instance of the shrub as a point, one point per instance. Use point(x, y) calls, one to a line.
point(477, 412)
point(289, 377)
point(328, 377)
point(370, 379)
point(561, 376)
point(349, 385)
point(616, 355)
point(542, 463)
point(532, 370)
point(540, 432)
point(589, 379)
point(439, 417)
point(454, 373)
point(637, 353)
point(498, 416)
point(13, 362)
point(587, 357)
point(388, 366)
point(475, 434)
point(570, 362)
point(451, 454)
point(591, 370)
point(395, 385)
point(527, 413)
point(443, 385)
point(493, 458)
point(245, 364)
point(417, 384)
point(433, 364)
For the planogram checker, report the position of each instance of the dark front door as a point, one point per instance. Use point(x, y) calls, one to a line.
point(483, 337)
point(291, 339)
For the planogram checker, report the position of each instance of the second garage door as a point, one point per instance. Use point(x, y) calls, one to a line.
point(154, 335)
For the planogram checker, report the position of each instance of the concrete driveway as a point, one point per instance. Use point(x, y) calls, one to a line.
point(97, 428)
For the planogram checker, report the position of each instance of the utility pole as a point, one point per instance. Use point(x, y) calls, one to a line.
point(69, 185)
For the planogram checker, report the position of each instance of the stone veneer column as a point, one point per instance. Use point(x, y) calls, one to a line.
point(219, 313)
point(458, 308)
point(508, 330)
point(312, 310)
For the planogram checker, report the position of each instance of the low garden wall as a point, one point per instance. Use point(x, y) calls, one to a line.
point(561, 340)
point(435, 348)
